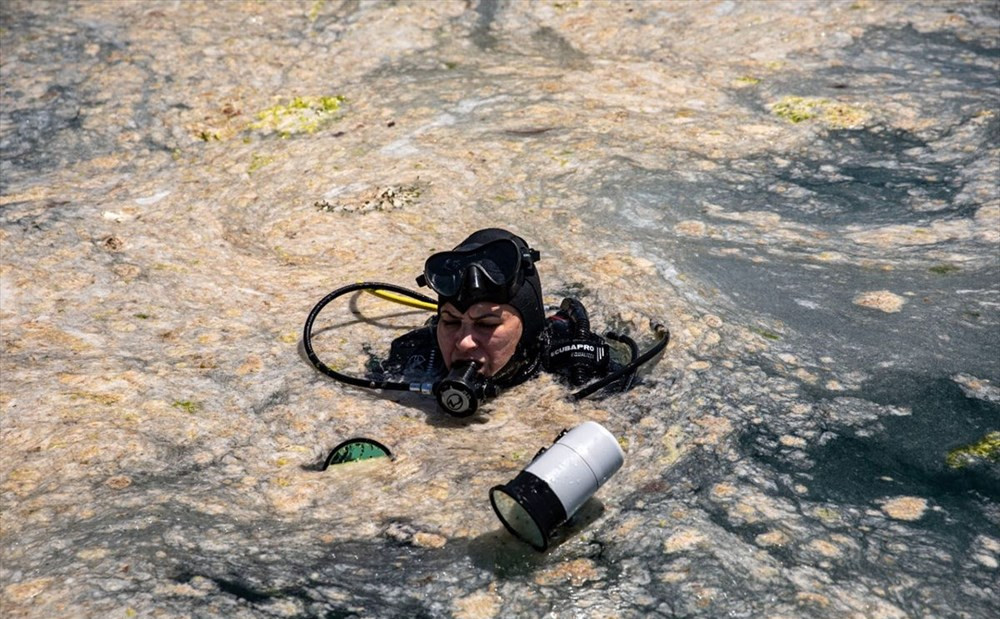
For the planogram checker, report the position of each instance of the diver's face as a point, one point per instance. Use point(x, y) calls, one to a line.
point(486, 333)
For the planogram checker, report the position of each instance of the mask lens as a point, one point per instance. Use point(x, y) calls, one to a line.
point(444, 273)
point(499, 261)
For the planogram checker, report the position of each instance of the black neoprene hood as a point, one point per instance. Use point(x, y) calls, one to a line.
point(527, 300)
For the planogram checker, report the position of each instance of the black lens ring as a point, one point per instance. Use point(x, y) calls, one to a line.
point(538, 501)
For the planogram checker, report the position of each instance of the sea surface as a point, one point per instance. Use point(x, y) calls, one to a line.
point(806, 193)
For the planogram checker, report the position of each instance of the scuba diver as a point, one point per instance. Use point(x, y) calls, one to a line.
point(489, 332)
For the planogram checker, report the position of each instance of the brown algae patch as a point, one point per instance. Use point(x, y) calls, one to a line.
point(882, 300)
point(382, 199)
point(987, 221)
point(979, 388)
point(905, 508)
point(691, 227)
point(119, 482)
point(771, 538)
point(24, 591)
point(812, 599)
point(824, 548)
point(575, 572)
point(907, 235)
point(699, 366)
point(429, 540)
point(479, 605)
point(792, 441)
point(684, 539)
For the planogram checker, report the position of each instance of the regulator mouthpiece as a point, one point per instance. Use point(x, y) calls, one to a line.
point(556, 483)
point(461, 391)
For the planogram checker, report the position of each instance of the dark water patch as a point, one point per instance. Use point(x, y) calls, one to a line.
point(69, 59)
point(45, 130)
point(554, 47)
point(829, 496)
point(331, 22)
point(545, 42)
point(46, 138)
point(933, 548)
point(912, 449)
point(948, 323)
point(937, 72)
point(235, 587)
point(914, 54)
point(308, 599)
point(870, 176)
point(39, 216)
point(877, 174)
point(265, 568)
point(481, 35)
point(845, 179)
point(873, 176)
point(637, 199)
point(904, 453)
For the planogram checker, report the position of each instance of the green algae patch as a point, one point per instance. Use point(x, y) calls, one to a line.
point(796, 109)
point(944, 269)
point(302, 115)
point(106, 399)
point(746, 80)
point(314, 12)
point(827, 515)
point(185, 405)
point(833, 114)
point(987, 448)
point(257, 162)
point(765, 333)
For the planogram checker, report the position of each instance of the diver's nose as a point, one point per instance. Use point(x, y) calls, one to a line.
point(466, 342)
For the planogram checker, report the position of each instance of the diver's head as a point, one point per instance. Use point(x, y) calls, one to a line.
point(490, 302)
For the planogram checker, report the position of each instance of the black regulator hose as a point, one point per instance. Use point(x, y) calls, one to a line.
point(581, 372)
point(633, 349)
point(632, 367)
point(344, 378)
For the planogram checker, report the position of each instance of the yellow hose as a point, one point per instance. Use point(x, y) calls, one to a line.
point(402, 300)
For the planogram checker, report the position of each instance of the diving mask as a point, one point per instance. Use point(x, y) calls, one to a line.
point(493, 271)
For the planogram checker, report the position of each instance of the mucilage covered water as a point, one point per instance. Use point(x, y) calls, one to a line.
point(806, 193)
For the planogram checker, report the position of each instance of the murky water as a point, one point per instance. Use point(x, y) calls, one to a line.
point(806, 193)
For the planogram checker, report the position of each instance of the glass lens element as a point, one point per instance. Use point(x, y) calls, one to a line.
point(517, 520)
